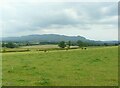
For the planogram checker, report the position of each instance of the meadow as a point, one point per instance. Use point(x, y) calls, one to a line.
point(95, 66)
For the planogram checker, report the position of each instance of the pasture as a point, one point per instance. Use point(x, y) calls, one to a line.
point(97, 66)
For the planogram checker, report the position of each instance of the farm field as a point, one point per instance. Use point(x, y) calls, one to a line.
point(41, 46)
point(97, 66)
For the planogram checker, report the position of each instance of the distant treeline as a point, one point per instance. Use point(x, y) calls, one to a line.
point(61, 44)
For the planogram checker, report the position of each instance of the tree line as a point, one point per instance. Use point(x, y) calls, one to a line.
point(62, 44)
point(79, 43)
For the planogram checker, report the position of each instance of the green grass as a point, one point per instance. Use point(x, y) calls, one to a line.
point(91, 67)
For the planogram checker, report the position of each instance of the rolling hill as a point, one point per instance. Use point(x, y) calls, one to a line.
point(52, 38)
point(45, 37)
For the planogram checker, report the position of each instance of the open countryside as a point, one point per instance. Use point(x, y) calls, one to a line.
point(59, 43)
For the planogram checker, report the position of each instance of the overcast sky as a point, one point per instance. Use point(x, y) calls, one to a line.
point(93, 20)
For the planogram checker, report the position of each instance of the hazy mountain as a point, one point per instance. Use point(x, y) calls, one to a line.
point(45, 37)
point(52, 38)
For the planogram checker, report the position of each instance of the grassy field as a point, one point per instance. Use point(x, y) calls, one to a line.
point(96, 66)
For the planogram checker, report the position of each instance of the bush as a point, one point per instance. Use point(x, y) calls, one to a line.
point(62, 44)
point(11, 45)
point(82, 44)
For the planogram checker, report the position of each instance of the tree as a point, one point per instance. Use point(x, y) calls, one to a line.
point(62, 44)
point(11, 45)
point(69, 44)
point(116, 44)
point(3, 44)
point(27, 44)
point(80, 43)
point(105, 44)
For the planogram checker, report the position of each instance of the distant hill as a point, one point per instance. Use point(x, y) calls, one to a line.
point(45, 37)
point(52, 38)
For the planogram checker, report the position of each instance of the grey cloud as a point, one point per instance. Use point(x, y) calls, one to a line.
point(31, 17)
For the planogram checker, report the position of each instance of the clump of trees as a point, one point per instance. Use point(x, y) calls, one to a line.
point(62, 44)
point(79, 43)
point(9, 45)
point(69, 44)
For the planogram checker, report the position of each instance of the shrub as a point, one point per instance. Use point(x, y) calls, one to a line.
point(62, 44)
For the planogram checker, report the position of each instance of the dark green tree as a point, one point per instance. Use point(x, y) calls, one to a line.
point(3, 44)
point(80, 43)
point(11, 45)
point(116, 44)
point(105, 44)
point(69, 44)
point(62, 44)
point(28, 44)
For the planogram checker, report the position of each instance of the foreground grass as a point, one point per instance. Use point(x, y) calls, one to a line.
point(91, 67)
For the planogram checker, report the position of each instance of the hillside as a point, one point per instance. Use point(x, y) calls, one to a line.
point(45, 37)
point(52, 38)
